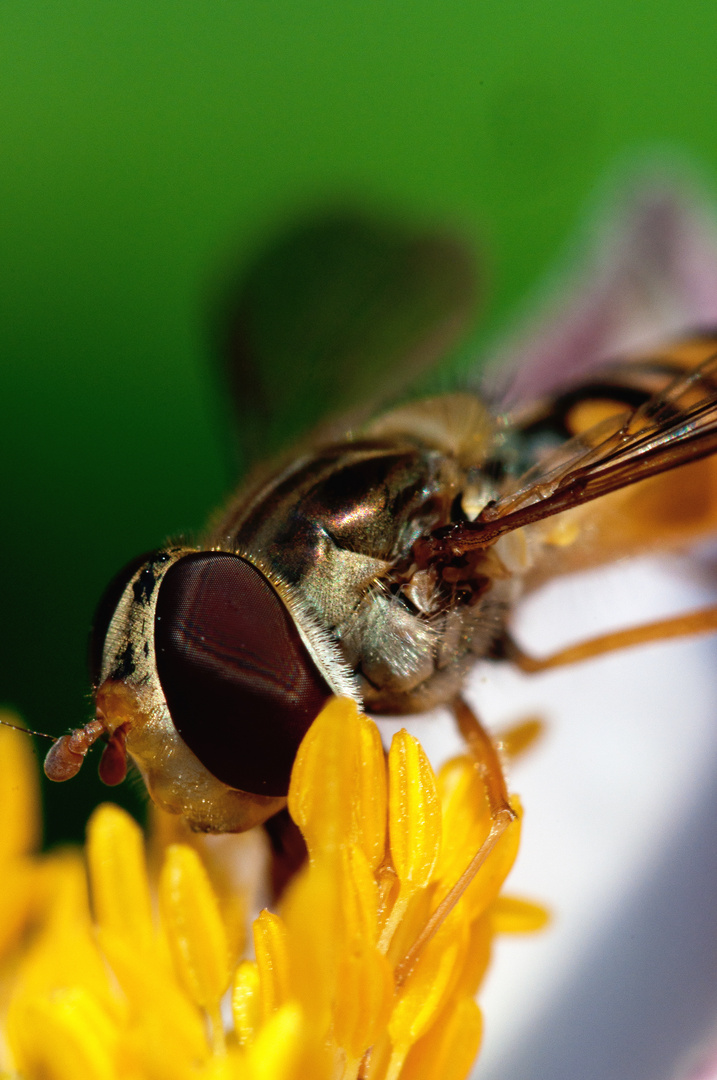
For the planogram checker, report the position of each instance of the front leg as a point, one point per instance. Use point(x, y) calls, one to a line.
point(487, 762)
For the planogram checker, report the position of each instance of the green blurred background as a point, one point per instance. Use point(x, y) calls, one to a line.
point(145, 144)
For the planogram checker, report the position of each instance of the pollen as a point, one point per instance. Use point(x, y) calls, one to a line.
point(135, 969)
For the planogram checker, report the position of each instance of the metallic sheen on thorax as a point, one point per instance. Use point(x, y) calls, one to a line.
point(337, 528)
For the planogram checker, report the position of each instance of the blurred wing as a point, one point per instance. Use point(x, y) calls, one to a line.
point(339, 316)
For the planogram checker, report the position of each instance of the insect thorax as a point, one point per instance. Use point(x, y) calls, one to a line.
point(335, 532)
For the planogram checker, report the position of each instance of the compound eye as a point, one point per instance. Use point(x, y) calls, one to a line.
point(240, 685)
point(105, 611)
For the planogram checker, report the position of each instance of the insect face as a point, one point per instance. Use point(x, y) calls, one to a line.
point(202, 673)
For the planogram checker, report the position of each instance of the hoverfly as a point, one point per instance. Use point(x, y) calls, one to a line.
point(381, 556)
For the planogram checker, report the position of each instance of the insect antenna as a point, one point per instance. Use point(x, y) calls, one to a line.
point(28, 731)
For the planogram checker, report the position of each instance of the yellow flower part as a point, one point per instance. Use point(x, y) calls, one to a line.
point(364, 972)
point(120, 890)
point(272, 961)
point(196, 933)
point(246, 1005)
point(414, 823)
point(20, 872)
point(338, 784)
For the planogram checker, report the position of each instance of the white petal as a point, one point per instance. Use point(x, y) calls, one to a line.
point(620, 841)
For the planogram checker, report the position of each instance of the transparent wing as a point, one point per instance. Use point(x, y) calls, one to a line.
point(674, 427)
point(647, 272)
point(337, 317)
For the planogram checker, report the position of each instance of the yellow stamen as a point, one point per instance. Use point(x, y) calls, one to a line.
point(196, 934)
point(414, 823)
point(118, 874)
point(272, 958)
point(449, 1049)
point(246, 1002)
point(276, 1051)
point(338, 783)
point(19, 793)
point(78, 1039)
point(511, 915)
point(426, 989)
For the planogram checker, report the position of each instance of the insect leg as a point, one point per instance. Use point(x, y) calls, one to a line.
point(487, 762)
point(486, 758)
point(696, 622)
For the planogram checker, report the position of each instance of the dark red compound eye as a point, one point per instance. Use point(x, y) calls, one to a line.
point(240, 685)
